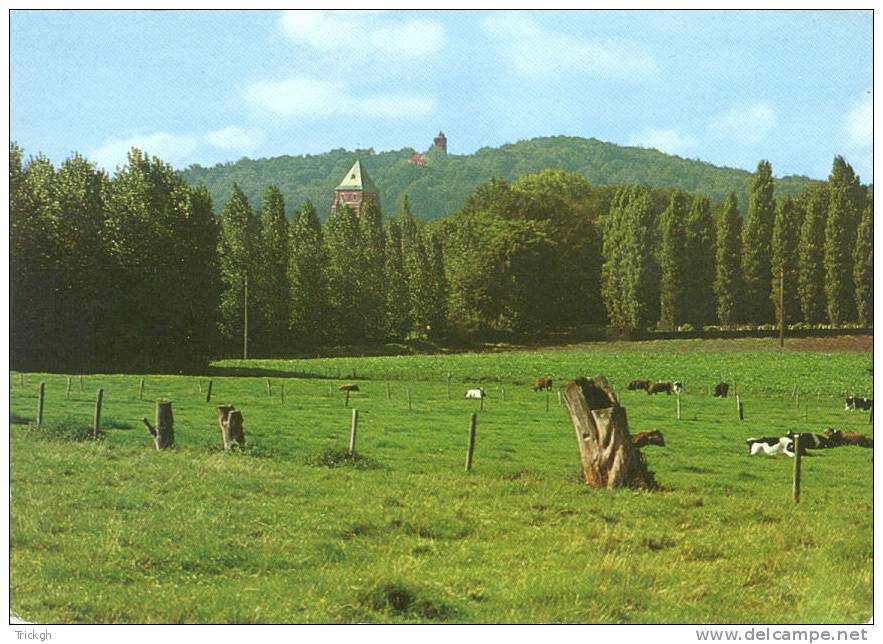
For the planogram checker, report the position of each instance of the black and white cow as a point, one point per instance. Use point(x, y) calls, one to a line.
point(771, 446)
point(811, 441)
point(721, 390)
point(854, 402)
point(677, 386)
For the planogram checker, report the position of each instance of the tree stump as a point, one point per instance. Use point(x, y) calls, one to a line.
point(164, 432)
point(230, 421)
point(608, 456)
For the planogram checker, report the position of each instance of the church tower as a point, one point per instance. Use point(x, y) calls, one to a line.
point(441, 142)
point(355, 188)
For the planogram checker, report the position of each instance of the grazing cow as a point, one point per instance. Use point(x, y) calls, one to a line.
point(677, 386)
point(839, 438)
point(659, 387)
point(543, 383)
point(771, 446)
point(811, 441)
point(653, 437)
point(854, 402)
point(637, 385)
point(348, 388)
point(721, 390)
point(475, 393)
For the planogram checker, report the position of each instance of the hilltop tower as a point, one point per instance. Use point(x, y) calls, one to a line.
point(440, 142)
point(355, 188)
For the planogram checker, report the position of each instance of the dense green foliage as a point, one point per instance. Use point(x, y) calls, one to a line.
point(442, 186)
point(547, 252)
point(291, 530)
point(863, 271)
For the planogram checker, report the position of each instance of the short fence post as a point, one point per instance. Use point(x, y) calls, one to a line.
point(559, 396)
point(739, 409)
point(81, 383)
point(40, 405)
point(97, 423)
point(269, 389)
point(797, 399)
point(282, 392)
point(449, 385)
point(409, 398)
point(346, 403)
point(208, 393)
point(67, 392)
point(481, 402)
point(21, 378)
point(548, 395)
point(141, 390)
point(353, 429)
point(388, 393)
point(470, 447)
point(503, 392)
point(796, 488)
point(678, 396)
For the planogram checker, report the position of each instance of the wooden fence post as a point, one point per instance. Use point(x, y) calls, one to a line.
point(208, 394)
point(40, 397)
point(164, 432)
point(548, 395)
point(346, 403)
point(470, 446)
point(678, 396)
point(141, 390)
point(503, 392)
point(741, 411)
point(353, 429)
point(388, 393)
point(81, 383)
point(67, 392)
point(449, 385)
point(282, 392)
point(269, 389)
point(97, 422)
point(409, 399)
point(481, 402)
point(796, 487)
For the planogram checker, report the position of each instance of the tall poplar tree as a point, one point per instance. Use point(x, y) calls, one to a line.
point(863, 270)
point(673, 261)
point(727, 279)
point(307, 280)
point(236, 259)
point(786, 236)
point(397, 311)
point(811, 254)
point(700, 258)
point(271, 279)
point(342, 239)
point(371, 260)
point(839, 290)
point(756, 245)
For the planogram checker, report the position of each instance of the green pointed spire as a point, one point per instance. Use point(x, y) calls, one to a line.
point(357, 179)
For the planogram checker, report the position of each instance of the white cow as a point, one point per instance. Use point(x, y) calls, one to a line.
point(475, 393)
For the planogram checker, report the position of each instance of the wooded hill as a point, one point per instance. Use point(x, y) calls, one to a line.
point(440, 188)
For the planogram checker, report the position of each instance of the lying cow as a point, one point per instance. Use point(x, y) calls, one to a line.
point(721, 390)
point(659, 387)
point(839, 438)
point(348, 388)
point(854, 402)
point(475, 393)
point(812, 441)
point(543, 383)
point(653, 437)
point(771, 446)
point(637, 385)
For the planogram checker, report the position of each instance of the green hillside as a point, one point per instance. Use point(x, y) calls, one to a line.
point(440, 188)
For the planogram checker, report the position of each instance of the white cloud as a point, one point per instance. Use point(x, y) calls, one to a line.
point(859, 122)
point(235, 138)
point(743, 124)
point(665, 140)
point(304, 96)
point(168, 147)
point(364, 33)
point(537, 52)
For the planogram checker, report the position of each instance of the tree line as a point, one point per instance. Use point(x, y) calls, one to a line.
point(138, 272)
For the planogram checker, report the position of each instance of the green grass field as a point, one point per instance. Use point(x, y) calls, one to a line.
point(290, 531)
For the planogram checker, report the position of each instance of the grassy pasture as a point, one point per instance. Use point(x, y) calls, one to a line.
point(289, 531)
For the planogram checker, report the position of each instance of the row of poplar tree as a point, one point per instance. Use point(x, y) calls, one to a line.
point(137, 271)
point(676, 263)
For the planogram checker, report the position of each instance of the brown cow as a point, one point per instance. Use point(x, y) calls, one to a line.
point(543, 383)
point(839, 438)
point(653, 437)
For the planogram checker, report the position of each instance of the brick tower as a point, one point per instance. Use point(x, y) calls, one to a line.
point(355, 188)
point(441, 142)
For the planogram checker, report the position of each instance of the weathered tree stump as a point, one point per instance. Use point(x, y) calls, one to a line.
point(164, 432)
point(230, 421)
point(608, 456)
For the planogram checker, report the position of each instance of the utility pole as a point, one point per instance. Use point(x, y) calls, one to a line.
point(245, 318)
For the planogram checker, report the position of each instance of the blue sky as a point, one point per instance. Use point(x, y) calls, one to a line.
point(205, 87)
